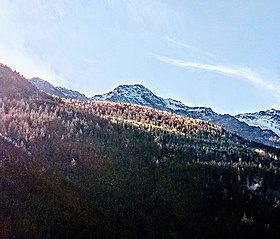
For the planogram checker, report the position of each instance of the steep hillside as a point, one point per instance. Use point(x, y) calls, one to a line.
point(138, 94)
point(72, 169)
point(32, 123)
point(12, 84)
point(130, 171)
point(10, 151)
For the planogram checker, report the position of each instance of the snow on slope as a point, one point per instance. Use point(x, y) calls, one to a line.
point(269, 119)
point(175, 105)
point(45, 86)
point(134, 94)
point(72, 94)
point(140, 95)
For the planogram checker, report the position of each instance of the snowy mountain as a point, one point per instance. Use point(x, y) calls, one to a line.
point(263, 127)
point(58, 91)
point(269, 119)
point(138, 94)
point(134, 94)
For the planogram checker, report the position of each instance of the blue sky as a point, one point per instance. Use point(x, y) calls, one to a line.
point(220, 54)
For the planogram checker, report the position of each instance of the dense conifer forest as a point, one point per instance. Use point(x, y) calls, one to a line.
point(70, 169)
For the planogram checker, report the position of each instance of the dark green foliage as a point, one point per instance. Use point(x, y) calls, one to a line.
point(174, 199)
point(75, 170)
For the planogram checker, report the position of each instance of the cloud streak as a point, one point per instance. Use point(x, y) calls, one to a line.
point(239, 72)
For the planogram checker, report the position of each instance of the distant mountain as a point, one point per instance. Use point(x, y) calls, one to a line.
point(45, 86)
point(57, 91)
point(72, 94)
point(138, 94)
point(267, 120)
point(122, 170)
point(134, 94)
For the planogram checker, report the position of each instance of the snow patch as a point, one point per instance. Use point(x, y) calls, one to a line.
point(269, 120)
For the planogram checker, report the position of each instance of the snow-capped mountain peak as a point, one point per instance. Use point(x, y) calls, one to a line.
point(134, 94)
point(138, 94)
point(266, 129)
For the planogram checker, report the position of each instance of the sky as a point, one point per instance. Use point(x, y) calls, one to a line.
point(219, 54)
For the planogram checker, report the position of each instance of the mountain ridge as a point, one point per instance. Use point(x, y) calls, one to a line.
point(140, 95)
point(12, 84)
point(57, 90)
point(122, 170)
point(268, 119)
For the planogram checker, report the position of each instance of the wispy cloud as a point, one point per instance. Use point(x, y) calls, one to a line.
point(181, 44)
point(234, 71)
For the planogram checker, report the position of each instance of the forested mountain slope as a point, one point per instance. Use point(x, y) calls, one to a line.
point(140, 95)
point(71, 169)
point(13, 84)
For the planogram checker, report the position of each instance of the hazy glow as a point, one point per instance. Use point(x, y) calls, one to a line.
point(93, 46)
